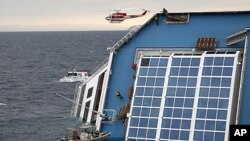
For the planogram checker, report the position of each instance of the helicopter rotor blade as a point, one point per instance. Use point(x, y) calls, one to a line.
point(131, 8)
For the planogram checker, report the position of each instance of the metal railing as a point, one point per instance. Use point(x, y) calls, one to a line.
point(99, 67)
point(125, 38)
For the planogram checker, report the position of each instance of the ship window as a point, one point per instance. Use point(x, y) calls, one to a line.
point(152, 71)
point(154, 61)
point(145, 62)
point(143, 71)
point(177, 18)
point(80, 101)
point(86, 111)
point(90, 92)
point(161, 72)
point(72, 74)
point(163, 62)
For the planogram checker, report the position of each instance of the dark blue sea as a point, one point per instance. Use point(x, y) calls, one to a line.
point(31, 64)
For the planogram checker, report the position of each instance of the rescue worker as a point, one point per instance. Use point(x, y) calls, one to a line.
point(134, 66)
point(96, 133)
point(157, 19)
point(118, 95)
point(75, 136)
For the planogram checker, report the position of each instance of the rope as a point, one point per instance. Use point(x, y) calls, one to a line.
point(101, 114)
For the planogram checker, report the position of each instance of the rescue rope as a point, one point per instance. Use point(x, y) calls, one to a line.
point(101, 114)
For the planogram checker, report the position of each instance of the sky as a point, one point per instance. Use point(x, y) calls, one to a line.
point(81, 15)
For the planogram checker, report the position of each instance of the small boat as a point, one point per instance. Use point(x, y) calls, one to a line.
point(86, 132)
point(75, 76)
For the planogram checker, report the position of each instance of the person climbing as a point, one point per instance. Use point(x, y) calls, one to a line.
point(134, 66)
point(118, 95)
point(165, 12)
point(157, 19)
point(96, 133)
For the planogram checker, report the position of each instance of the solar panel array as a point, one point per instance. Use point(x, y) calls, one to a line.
point(182, 97)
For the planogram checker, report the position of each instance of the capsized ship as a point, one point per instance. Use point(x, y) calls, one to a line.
point(179, 76)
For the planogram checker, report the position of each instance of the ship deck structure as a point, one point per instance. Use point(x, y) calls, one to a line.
point(179, 76)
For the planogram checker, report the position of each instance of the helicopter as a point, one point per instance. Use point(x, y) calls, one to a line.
point(119, 16)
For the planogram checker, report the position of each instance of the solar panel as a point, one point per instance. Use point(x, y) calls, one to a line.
point(214, 97)
point(147, 99)
point(183, 97)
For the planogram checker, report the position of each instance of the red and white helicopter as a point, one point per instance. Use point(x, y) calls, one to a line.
point(120, 16)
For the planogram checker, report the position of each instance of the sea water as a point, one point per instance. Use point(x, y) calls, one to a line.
point(31, 64)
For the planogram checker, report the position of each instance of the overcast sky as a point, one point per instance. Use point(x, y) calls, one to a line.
point(58, 15)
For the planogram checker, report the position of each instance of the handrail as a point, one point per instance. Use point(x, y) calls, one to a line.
point(99, 66)
point(125, 38)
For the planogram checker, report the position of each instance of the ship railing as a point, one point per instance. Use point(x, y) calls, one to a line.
point(125, 38)
point(98, 68)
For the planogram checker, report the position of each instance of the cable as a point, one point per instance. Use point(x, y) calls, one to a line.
point(101, 114)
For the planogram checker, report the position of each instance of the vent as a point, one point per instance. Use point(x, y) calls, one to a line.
point(206, 44)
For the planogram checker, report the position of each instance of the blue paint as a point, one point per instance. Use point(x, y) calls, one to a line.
point(120, 80)
point(245, 100)
point(218, 25)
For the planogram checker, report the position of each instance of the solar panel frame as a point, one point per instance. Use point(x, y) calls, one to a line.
point(190, 73)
